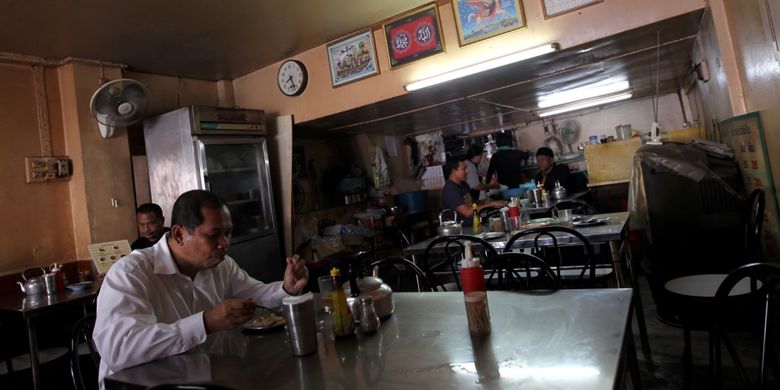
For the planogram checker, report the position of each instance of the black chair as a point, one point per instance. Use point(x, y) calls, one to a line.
point(188, 386)
point(766, 297)
point(401, 274)
point(84, 378)
point(576, 207)
point(520, 271)
point(448, 261)
point(574, 261)
point(489, 212)
point(754, 219)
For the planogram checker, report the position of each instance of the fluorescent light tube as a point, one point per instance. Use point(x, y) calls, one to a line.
point(483, 66)
point(585, 104)
point(601, 88)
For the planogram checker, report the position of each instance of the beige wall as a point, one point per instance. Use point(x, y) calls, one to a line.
point(258, 89)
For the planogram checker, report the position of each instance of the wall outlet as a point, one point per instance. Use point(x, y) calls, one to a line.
point(43, 169)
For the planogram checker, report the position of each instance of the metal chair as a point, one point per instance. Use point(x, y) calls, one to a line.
point(400, 273)
point(452, 253)
point(576, 206)
point(765, 295)
point(81, 338)
point(754, 219)
point(520, 271)
point(572, 259)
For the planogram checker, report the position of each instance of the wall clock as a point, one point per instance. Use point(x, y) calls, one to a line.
point(292, 78)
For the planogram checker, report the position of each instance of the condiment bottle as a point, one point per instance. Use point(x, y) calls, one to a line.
point(342, 316)
point(59, 276)
point(474, 219)
point(369, 320)
point(474, 294)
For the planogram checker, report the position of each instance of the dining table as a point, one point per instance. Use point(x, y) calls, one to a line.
point(612, 231)
point(31, 307)
point(573, 339)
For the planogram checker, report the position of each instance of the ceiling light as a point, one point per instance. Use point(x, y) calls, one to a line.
point(600, 88)
point(483, 66)
point(585, 104)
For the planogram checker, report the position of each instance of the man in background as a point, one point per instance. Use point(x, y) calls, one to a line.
point(455, 195)
point(550, 172)
point(506, 163)
point(150, 220)
point(474, 156)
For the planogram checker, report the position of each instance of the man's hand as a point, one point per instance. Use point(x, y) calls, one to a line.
point(228, 314)
point(295, 275)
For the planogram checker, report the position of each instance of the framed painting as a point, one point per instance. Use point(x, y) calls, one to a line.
point(480, 19)
point(554, 8)
point(352, 58)
point(414, 35)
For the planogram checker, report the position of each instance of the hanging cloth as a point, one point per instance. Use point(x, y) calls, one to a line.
point(380, 173)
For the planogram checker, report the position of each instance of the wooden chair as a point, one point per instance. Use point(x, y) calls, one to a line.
point(520, 271)
point(442, 258)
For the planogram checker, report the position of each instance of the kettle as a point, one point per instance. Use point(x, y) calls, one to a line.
point(448, 228)
point(367, 286)
point(32, 286)
point(558, 192)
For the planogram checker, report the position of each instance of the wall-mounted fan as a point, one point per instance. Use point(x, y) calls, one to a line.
point(569, 132)
point(119, 103)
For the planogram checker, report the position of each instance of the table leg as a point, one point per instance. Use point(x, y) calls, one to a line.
point(615, 255)
point(620, 249)
point(32, 337)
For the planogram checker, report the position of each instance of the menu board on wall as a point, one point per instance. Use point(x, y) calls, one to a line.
point(105, 254)
point(745, 135)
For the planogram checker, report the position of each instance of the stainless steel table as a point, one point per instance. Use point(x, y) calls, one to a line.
point(614, 233)
point(571, 339)
point(32, 306)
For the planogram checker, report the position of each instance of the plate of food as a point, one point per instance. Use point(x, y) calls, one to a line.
point(79, 286)
point(589, 221)
point(265, 320)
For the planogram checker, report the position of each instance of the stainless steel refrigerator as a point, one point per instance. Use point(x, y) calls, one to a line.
point(222, 150)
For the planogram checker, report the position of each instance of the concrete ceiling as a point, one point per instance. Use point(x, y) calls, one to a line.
point(202, 39)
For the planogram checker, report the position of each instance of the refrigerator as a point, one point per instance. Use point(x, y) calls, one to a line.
point(222, 150)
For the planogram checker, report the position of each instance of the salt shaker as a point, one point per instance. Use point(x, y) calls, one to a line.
point(369, 320)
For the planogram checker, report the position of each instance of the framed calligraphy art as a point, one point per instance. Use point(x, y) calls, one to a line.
point(414, 35)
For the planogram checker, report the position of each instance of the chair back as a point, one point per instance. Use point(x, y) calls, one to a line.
point(769, 277)
point(446, 252)
point(520, 271)
point(401, 275)
point(754, 219)
point(565, 251)
point(82, 335)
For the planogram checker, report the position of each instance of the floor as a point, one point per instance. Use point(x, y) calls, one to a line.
point(663, 368)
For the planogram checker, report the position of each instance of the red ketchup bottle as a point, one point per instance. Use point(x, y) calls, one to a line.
point(473, 281)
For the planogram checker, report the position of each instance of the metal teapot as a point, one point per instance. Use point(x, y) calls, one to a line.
point(367, 286)
point(449, 228)
point(558, 192)
point(34, 285)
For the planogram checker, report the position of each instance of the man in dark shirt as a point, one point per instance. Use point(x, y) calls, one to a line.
point(550, 172)
point(506, 163)
point(455, 194)
point(149, 217)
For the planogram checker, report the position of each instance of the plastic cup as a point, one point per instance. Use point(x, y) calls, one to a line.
point(326, 290)
point(565, 216)
point(515, 223)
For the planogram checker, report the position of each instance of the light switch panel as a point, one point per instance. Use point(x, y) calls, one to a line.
point(43, 169)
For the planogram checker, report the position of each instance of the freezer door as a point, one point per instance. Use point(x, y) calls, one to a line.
point(237, 170)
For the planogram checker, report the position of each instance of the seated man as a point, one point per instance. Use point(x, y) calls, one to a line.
point(149, 217)
point(455, 195)
point(164, 300)
point(550, 172)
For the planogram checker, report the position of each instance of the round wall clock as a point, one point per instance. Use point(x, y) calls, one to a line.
point(292, 77)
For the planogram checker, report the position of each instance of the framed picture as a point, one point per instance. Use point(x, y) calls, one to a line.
point(414, 35)
point(352, 58)
point(480, 19)
point(554, 8)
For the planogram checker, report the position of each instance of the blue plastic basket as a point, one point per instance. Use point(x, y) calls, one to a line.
point(519, 191)
point(414, 201)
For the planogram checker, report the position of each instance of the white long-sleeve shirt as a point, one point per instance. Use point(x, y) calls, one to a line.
point(147, 309)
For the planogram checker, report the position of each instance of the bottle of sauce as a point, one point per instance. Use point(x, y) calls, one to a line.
point(343, 324)
point(59, 276)
point(474, 293)
point(474, 219)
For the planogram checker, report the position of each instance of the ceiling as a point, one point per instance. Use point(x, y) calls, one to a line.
point(205, 39)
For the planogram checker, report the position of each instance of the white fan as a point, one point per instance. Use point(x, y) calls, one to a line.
point(118, 103)
point(569, 132)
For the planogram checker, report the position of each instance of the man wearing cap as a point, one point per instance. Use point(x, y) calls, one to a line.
point(473, 158)
point(550, 172)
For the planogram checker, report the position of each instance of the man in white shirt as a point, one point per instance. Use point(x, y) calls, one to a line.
point(164, 300)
